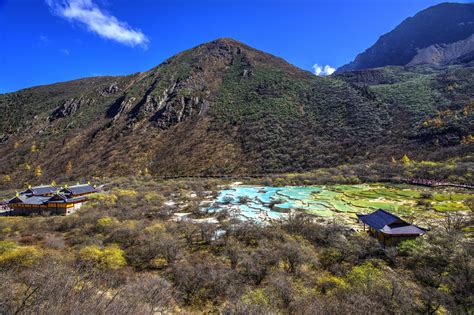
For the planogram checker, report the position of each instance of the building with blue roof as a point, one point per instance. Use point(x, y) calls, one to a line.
point(388, 228)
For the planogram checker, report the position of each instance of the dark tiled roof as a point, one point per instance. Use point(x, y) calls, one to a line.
point(59, 198)
point(41, 190)
point(378, 219)
point(398, 229)
point(39, 200)
point(20, 198)
point(33, 200)
point(80, 189)
point(388, 223)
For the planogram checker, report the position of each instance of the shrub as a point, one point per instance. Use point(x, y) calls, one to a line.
point(256, 297)
point(365, 276)
point(111, 257)
point(407, 247)
point(6, 246)
point(14, 257)
point(125, 193)
point(107, 223)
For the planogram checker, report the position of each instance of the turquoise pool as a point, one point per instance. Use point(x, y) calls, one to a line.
point(260, 204)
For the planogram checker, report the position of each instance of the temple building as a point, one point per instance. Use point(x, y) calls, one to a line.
point(50, 200)
point(388, 228)
point(46, 190)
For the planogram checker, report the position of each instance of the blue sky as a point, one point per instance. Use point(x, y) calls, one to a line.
point(47, 41)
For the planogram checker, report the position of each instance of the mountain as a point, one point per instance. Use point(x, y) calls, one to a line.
point(442, 54)
point(226, 108)
point(442, 24)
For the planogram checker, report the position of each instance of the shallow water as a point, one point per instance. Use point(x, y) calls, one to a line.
point(257, 206)
point(263, 204)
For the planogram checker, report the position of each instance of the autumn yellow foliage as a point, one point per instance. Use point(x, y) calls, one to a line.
point(6, 178)
point(111, 257)
point(125, 192)
point(406, 160)
point(38, 171)
point(14, 256)
point(107, 222)
point(467, 139)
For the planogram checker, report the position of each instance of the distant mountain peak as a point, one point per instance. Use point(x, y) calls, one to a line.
point(444, 23)
point(222, 42)
point(227, 40)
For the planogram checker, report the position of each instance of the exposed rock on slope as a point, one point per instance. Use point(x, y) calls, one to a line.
point(68, 108)
point(444, 53)
point(441, 24)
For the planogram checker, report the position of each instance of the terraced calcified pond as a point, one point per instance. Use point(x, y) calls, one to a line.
point(261, 204)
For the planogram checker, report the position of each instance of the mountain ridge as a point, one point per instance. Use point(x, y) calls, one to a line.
point(444, 23)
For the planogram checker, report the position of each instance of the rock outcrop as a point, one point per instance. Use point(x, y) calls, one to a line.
point(443, 54)
point(112, 89)
point(68, 108)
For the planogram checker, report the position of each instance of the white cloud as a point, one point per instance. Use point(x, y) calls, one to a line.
point(98, 21)
point(323, 71)
point(64, 51)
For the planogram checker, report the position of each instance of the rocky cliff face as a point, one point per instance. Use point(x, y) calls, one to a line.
point(443, 54)
point(442, 24)
point(185, 85)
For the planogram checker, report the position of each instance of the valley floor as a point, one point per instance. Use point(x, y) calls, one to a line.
point(130, 251)
point(263, 203)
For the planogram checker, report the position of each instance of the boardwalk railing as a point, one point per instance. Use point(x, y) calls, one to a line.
point(394, 179)
point(434, 183)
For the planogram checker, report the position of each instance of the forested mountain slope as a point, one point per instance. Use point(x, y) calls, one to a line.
point(226, 108)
